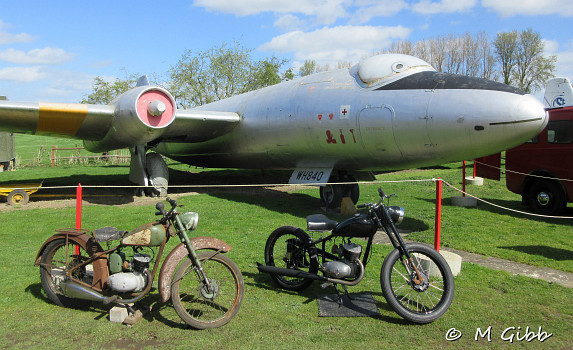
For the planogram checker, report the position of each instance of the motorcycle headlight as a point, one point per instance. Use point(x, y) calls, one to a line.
point(189, 220)
point(396, 213)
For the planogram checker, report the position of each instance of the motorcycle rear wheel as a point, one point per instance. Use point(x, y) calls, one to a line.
point(427, 299)
point(203, 307)
point(283, 250)
point(56, 260)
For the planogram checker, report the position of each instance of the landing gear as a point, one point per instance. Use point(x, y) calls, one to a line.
point(149, 171)
point(331, 194)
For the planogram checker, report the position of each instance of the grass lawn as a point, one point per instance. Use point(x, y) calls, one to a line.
point(273, 318)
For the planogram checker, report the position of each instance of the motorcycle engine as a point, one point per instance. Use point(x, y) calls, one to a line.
point(133, 281)
point(347, 267)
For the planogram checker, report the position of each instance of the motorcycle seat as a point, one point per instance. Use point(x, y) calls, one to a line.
point(106, 234)
point(320, 222)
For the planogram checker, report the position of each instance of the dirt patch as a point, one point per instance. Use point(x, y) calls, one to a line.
point(100, 199)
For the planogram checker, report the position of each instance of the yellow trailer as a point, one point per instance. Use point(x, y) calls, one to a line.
point(19, 193)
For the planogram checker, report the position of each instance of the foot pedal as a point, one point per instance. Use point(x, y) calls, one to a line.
point(325, 285)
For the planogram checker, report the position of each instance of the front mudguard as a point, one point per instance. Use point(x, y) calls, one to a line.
point(88, 243)
point(178, 254)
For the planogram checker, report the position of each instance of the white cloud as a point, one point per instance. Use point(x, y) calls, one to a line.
point(23, 74)
point(326, 11)
point(8, 38)
point(37, 56)
point(289, 22)
point(368, 9)
point(342, 43)
point(428, 7)
point(509, 8)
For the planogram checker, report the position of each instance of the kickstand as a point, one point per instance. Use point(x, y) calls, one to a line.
point(340, 302)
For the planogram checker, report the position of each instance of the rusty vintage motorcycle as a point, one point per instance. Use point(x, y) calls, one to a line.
point(205, 286)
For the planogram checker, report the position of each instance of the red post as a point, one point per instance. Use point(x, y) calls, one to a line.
point(438, 214)
point(79, 192)
point(474, 168)
point(464, 180)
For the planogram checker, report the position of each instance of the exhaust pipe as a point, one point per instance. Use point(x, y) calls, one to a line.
point(289, 272)
point(302, 274)
point(74, 290)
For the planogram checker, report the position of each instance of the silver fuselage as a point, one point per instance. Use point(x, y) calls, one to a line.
point(333, 120)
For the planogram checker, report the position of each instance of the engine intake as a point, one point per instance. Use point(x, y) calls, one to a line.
point(141, 115)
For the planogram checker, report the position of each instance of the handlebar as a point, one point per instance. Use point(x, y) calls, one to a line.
point(365, 205)
point(382, 197)
point(161, 207)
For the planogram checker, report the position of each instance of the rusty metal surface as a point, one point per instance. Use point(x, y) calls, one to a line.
point(89, 244)
point(179, 253)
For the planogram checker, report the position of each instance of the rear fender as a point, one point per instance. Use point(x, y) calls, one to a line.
point(89, 244)
point(178, 254)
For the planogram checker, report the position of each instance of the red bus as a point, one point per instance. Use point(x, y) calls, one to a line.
point(541, 170)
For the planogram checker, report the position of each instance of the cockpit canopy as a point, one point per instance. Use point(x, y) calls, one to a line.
point(384, 69)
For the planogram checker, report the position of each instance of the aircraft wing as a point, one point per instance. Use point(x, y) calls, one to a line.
point(198, 126)
point(141, 115)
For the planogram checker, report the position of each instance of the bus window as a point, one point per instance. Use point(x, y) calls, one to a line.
point(560, 131)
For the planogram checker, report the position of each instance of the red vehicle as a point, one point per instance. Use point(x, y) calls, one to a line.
point(541, 170)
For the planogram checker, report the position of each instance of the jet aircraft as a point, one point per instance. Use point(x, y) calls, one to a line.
point(388, 112)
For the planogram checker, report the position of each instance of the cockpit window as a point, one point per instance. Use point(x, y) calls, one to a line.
point(436, 80)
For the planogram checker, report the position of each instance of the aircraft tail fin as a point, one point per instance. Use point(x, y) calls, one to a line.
point(558, 93)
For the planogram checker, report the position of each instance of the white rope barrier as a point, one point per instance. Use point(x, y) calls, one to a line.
point(505, 208)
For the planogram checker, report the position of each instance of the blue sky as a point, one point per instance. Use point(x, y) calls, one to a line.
point(52, 50)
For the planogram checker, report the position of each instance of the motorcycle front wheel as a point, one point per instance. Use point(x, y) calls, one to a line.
point(420, 290)
point(284, 248)
point(207, 305)
point(56, 260)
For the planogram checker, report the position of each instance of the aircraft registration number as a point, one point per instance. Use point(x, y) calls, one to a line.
point(310, 176)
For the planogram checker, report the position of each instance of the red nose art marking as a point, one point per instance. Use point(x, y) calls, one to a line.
point(155, 121)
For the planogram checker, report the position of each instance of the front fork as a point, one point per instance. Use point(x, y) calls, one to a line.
point(192, 254)
point(398, 243)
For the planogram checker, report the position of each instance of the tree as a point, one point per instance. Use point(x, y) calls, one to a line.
point(522, 62)
point(307, 68)
point(205, 76)
point(105, 91)
point(505, 46)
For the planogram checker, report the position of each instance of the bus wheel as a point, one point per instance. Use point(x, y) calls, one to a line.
point(546, 197)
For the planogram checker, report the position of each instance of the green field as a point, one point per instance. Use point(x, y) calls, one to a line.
point(272, 318)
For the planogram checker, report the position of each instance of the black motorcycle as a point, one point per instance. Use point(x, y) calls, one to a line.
point(416, 280)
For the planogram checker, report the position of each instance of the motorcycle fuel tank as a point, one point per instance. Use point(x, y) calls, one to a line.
point(356, 226)
point(152, 234)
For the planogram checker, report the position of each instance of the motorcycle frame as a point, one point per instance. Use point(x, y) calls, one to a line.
point(385, 223)
point(187, 248)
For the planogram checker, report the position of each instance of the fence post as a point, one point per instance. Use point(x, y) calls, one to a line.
point(438, 222)
point(464, 180)
point(53, 156)
point(79, 192)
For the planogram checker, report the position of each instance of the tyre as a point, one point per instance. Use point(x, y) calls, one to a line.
point(18, 197)
point(546, 197)
point(58, 258)
point(212, 306)
point(331, 195)
point(284, 249)
point(417, 300)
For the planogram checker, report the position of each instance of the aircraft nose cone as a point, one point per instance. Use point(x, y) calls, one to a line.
point(531, 114)
point(531, 110)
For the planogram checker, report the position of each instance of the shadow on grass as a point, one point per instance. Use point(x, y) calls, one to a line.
point(212, 182)
point(314, 291)
point(557, 254)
